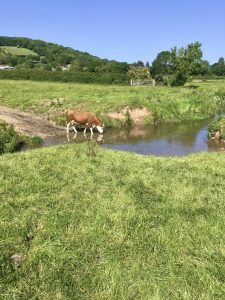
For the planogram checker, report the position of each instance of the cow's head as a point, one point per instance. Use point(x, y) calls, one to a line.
point(100, 128)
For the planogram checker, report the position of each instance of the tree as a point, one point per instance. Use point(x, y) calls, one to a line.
point(139, 72)
point(162, 65)
point(221, 61)
point(202, 68)
point(219, 67)
point(186, 60)
point(139, 63)
point(180, 63)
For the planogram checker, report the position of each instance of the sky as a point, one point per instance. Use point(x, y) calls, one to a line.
point(122, 30)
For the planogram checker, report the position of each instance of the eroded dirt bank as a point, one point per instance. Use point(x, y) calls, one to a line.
point(29, 124)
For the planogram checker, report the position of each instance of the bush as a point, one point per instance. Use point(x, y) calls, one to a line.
point(178, 79)
point(217, 125)
point(66, 76)
point(161, 80)
point(35, 141)
point(9, 138)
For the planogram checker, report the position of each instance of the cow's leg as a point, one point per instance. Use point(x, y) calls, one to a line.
point(91, 130)
point(74, 128)
point(75, 136)
point(85, 128)
point(68, 127)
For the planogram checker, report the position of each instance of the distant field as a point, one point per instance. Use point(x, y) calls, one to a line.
point(165, 103)
point(18, 51)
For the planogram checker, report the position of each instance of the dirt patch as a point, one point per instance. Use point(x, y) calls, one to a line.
point(30, 124)
point(137, 115)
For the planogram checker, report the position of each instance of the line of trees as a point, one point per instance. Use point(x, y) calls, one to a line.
point(60, 76)
point(177, 65)
point(172, 67)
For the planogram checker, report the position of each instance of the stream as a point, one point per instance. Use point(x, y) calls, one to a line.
point(163, 140)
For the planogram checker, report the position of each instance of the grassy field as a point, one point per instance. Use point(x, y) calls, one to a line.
point(99, 224)
point(18, 51)
point(164, 103)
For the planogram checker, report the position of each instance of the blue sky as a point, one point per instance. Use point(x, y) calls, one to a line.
point(124, 30)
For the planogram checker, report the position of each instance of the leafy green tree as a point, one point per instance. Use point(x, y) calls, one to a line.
point(115, 67)
point(139, 72)
point(29, 63)
point(180, 63)
point(219, 67)
point(162, 65)
point(147, 65)
point(139, 63)
point(186, 60)
point(202, 68)
point(221, 61)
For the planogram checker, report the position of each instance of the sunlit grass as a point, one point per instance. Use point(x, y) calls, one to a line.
point(163, 103)
point(18, 51)
point(100, 224)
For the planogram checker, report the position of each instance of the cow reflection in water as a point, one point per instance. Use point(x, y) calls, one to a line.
point(73, 138)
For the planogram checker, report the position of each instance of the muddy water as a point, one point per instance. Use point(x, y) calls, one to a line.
point(164, 140)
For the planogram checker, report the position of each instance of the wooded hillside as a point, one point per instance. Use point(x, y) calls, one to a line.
point(28, 53)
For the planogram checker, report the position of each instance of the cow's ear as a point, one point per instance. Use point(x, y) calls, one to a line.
point(103, 125)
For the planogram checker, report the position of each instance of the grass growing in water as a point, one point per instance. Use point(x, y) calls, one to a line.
point(101, 224)
point(218, 124)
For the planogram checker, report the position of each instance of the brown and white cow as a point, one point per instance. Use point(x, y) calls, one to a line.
point(86, 118)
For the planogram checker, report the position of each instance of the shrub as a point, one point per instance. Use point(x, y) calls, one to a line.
point(35, 141)
point(161, 80)
point(217, 125)
point(9, 138)
point(178, 79)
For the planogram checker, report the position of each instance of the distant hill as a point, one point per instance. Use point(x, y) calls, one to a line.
point(26, 53)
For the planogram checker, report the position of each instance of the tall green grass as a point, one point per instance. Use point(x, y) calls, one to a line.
point(163, 103)
point(100, 224)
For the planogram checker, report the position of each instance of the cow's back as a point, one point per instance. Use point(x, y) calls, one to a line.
point(80, 117)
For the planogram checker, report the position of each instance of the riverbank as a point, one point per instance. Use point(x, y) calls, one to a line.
point(29, 124)
point(103, 224)
point(116, 105)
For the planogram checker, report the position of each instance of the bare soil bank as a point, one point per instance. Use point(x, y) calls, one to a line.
point(29, 124)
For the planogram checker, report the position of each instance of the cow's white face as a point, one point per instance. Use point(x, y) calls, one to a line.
point(100, 128)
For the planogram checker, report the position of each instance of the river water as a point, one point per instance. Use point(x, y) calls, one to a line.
point(163, 140)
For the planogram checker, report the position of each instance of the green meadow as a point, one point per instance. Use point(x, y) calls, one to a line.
point(166, 104)
point(89, 223)
point(18, 51)
point(101, 224)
